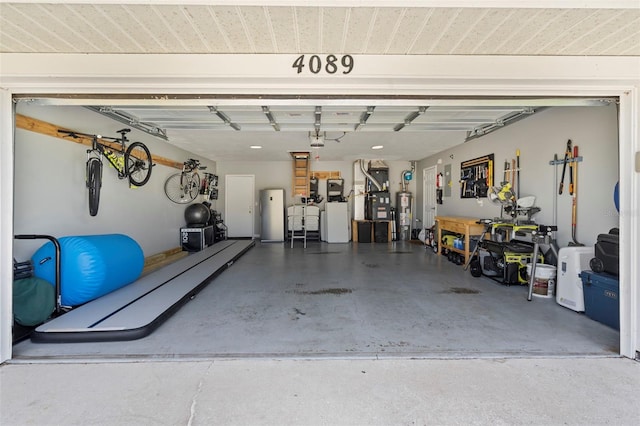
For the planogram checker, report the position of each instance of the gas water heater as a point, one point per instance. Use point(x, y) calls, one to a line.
point(404, 203)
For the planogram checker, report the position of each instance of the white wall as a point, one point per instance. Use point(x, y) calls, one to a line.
point(51, 196)
point(539, 137)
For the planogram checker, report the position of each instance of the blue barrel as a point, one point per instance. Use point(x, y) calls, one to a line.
point(91, 265)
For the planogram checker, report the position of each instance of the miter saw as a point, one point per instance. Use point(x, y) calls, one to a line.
point(516, 208)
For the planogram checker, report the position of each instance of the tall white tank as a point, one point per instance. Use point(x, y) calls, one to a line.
point(359, 182)
point(403, 215)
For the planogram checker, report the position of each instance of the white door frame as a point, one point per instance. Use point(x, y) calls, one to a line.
point(428, 192)
point(258, 76)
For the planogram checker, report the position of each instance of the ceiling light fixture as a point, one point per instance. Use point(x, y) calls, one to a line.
point(377, 147)
point(255, 147)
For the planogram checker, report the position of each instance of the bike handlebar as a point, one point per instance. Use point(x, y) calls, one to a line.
point(193, 164)
point(77, 134)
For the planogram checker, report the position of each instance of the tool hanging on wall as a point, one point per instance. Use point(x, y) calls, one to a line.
point(571, 173)
point(573, 190)
point(567, 154)
point(490, 174)
point(513, 173)
point(555, 185)
point(518, 173)
point(505, 177)
point(571, 158)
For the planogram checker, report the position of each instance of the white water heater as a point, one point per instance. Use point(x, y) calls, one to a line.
point(403, 215)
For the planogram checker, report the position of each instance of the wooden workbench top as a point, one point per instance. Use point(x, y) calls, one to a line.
point(459, 219)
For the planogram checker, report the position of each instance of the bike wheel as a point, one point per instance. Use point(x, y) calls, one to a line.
point(179, 189)
point(194, 186)
point(138, 166)
point(94, 183)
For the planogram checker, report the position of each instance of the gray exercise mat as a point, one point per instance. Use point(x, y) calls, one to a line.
point(132, 312)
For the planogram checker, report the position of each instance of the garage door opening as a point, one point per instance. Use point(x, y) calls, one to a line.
point(395, 299)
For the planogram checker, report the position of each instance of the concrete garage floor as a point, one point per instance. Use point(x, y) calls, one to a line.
point(362, 334)
point(366, 301)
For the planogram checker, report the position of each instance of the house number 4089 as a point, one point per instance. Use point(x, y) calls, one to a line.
point(330, 64)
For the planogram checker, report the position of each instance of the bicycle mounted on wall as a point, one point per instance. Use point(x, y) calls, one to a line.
point(132, 162)
point(184, 187)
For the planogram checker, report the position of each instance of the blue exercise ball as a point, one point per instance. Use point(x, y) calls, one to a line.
point(197, 214)
point(616, 196)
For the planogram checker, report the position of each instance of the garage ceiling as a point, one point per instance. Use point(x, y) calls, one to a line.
point(271, 27)
point(408, 132)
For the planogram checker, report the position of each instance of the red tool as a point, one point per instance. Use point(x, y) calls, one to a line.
point(573, 189)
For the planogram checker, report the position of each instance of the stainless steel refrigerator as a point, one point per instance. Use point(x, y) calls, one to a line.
point(272, 215)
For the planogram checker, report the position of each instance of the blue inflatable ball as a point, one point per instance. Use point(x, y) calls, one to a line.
point(616, 196)
point(90, 266)
point(197, 214)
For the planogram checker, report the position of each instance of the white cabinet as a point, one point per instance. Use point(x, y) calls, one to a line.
point(337, 220)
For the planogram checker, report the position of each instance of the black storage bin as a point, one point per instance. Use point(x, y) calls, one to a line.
point(607, 251)
point(364, 232)
point(381, 232)
point(195, 239)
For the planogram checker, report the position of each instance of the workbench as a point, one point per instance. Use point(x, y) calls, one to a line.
point(466, 226)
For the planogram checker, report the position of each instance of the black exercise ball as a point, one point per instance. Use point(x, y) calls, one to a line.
point(197, 214)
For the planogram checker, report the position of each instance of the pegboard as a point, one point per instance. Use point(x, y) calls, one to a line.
point(476, 177)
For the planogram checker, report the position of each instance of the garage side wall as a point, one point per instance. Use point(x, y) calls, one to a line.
point(539, 137)
point(51, 196)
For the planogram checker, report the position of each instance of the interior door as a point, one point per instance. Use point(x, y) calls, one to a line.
point(429, 207)
point(239, 205)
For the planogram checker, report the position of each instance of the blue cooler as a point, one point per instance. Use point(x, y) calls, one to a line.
point(601, 302)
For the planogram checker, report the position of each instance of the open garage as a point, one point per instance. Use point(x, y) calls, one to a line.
point(436, 115)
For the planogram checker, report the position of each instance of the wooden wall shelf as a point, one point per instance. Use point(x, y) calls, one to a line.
point(49, 129)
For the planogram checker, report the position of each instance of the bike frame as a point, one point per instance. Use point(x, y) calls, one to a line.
point(114, 160)
point(100, 149)
point(189, 169)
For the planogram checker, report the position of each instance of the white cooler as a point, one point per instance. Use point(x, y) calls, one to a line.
point(572, 261)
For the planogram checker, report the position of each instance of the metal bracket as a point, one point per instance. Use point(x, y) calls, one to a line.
point(569, 160)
